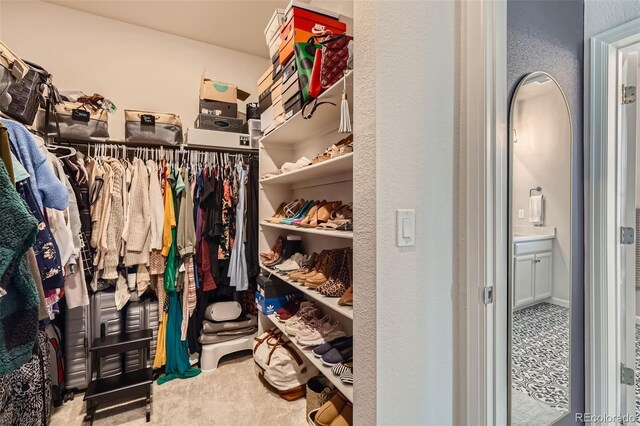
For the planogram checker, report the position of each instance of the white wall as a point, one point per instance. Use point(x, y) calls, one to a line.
point(135, 67)
point(413, 83)
point(541, 157)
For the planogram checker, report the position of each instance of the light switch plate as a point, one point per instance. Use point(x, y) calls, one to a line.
point(405, 228)
point(521, 214)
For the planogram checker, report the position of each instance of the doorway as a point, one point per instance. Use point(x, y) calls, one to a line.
point(613, 224)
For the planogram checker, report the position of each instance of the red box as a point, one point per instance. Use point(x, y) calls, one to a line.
point(302, 25)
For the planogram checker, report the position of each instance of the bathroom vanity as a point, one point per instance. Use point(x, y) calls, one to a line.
point(532, 264)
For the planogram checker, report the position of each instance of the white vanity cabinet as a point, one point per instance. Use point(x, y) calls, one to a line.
point(532, 272)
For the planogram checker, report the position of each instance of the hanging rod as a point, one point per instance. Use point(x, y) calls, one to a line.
point(537, 189)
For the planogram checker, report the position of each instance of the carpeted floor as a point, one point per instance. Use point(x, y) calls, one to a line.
point(232, 395)
point(540, 354)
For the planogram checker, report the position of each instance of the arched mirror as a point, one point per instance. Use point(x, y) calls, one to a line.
point(540, 252)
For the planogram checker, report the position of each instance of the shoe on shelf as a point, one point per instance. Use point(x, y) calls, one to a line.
point(337, 356)
point(300, 214)
point(330, 410)
point(290, 308)
point(295, 325)
point(311, 324)
point(337, 343)
point(345, 418)
point(275, 250)
point(339, 369)
point(313, 211)
point(336, 285)
point(325, 271)
point(325, 332)
point(289, 166)
point(339, 217)
point(304, 268)
point(291, 264)
point(347, 377)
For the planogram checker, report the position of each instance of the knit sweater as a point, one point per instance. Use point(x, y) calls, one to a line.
point(19, 306)
point(115, 223)
point(138, 237)
point(48, 190)
point(156, 205)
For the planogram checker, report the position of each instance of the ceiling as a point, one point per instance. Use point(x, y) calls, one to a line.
point(234, 24)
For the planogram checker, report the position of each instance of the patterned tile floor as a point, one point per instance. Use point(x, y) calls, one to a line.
point(540, 354)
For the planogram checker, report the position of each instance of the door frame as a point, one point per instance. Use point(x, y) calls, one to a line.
point(603, 371)
point(482, 231)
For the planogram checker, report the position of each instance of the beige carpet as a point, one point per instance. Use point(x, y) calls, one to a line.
point(231, 395)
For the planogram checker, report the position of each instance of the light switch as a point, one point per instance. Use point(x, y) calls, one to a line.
point(521, 214)
point(406, 228)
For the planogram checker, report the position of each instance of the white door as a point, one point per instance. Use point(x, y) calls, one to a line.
point(542, 276)
point(626, 275)
point(524, 292)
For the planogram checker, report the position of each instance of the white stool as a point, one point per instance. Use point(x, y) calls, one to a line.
point(211, 354)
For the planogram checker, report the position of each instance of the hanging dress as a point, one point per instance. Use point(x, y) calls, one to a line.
point(238, 262)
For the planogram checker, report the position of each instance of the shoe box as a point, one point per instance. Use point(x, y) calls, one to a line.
point(225, 109)
point(301, 24)
point(219, 123)
point(273, 294)
point(272, 31)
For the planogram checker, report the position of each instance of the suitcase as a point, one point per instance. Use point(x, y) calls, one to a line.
point(141, 315)
point(56, 364)
point(77, 338)
point(105, 318)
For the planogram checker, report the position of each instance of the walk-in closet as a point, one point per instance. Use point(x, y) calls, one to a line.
point(178, 216)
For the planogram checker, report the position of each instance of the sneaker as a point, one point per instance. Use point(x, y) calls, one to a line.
point(311, 323)
point(291, 307)
point(326, 332)
point(337, 343)
point(296, 324)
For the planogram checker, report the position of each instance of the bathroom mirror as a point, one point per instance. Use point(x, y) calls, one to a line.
point(540, 252)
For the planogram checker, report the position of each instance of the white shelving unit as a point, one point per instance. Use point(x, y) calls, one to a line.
point(346, 390)
point(298, 129)
point(324, 301)
point(324, 233)
point(330, 180)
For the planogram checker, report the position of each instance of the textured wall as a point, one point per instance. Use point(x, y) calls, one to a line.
point(364, 197)
point(547, 35)
point(415, 85)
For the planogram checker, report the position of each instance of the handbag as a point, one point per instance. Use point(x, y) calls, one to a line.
point(305, 54)
point(12, 70)
point(80, 121)
point(28, 94)
point(281, 365)
point(335, 59)
point(152, 128)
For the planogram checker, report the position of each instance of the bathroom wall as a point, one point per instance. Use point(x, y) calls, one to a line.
point(547, 35)
point(540, 158)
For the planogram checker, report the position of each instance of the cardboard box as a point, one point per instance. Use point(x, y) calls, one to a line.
point(265, 103)
point(215, 139)
point(273, 27)
point(301, 25)
point(213, 90)
point(219, 123)
point(265, 81)
point(276, 90)
point(268, 306)
point(225, 109)
point(266, 119)
point(289, 71)
point(272, 286)
point(292, 106)
point(302, 5)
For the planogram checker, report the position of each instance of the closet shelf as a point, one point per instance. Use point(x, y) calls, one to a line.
point(325, 119)
point(347, 235)
point(329, 168)
point(330, 302)
point(346, 390)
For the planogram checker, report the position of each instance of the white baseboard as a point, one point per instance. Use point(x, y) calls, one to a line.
point(559, 302)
